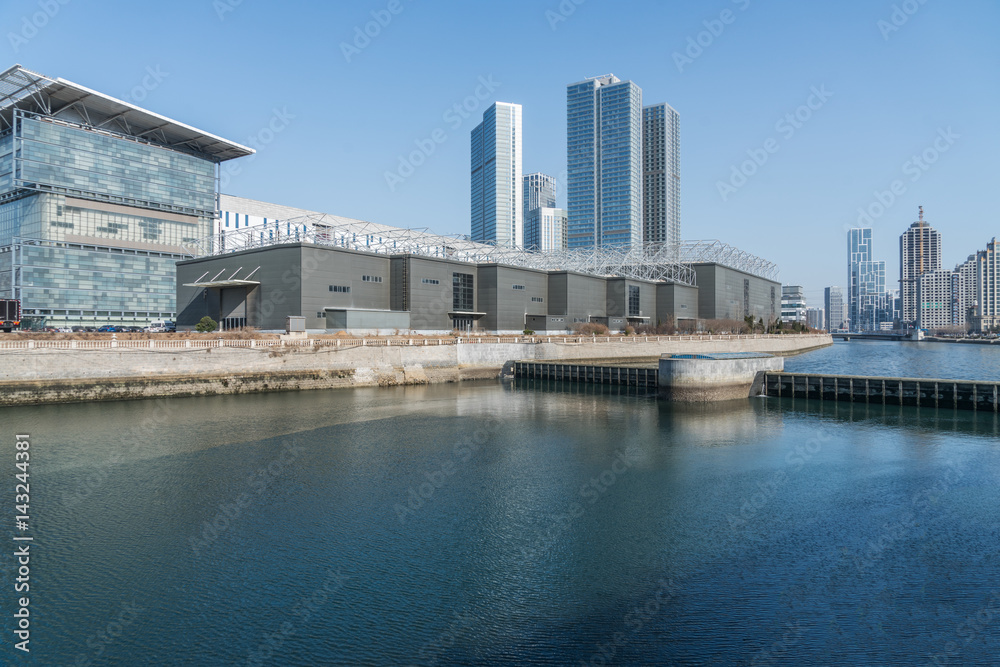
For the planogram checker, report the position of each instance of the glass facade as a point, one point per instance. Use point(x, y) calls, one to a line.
point(545, 229)
point(604, 161)
point(497, 194)
point(661, 173)
point(463, 292)
point(95, 222)
point(866, 277)
point(85, 163)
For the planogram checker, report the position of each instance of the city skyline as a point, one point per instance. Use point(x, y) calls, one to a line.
point(833, 135)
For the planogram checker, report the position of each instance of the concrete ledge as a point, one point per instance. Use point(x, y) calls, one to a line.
point(720, 377)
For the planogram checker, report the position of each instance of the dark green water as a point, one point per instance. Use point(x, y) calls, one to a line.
point(505, 524)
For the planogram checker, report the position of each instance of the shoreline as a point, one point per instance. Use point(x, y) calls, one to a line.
point(40, 376)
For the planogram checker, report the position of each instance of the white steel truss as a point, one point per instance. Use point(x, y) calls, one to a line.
point(653, 262)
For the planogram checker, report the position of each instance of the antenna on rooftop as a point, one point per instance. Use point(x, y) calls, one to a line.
point(921, 213)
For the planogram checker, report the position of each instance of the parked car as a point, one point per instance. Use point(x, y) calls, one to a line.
point(107, 328)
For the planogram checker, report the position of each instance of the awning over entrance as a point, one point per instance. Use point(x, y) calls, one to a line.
point(223, 283)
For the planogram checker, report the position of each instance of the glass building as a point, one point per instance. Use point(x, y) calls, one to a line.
point(866, 277)
point(539, 190)
point(98, 201)
point(661, 174)
point(545, 229)
point(497, 188)
point(604, 162)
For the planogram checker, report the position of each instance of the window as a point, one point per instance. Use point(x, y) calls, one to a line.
point(340, 288)
point(462, 296)
point(430, 281)
point(633, 301)
point(537, 299)
point(517, 286)
point(371, 279)
point(320, 315)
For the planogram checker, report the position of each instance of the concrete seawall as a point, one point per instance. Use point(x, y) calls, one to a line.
point(34, 376)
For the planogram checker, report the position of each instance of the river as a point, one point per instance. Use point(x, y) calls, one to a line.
point(518, 523)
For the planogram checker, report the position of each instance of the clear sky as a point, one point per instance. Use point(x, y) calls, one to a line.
point(886, 80)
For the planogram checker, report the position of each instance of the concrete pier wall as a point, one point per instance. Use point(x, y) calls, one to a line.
point(700, 380)
point(43, 375)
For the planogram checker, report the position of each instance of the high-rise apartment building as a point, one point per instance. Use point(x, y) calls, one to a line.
point(833, 304)
point(968, 296)
point(661, 174)
point(604, 162)
point(919, 252)
point(988, 287)
point(934, 299)
point(497, 180)
point(99, 199)
point(539, 190)
point(545, 229)
point(866, 280)
point(815, 318)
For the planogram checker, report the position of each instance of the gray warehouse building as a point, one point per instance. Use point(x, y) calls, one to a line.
point(266, 262)
point(338, 288)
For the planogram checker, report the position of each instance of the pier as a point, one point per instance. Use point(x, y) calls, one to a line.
point(625, 376)
point(919, 392)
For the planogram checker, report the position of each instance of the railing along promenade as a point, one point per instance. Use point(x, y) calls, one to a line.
point(171, 343)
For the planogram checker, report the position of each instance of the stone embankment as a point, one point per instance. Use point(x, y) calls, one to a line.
point(34, 372)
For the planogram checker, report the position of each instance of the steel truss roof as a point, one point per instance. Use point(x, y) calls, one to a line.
point(717, 252)
point(61, 99)
point(654, 262)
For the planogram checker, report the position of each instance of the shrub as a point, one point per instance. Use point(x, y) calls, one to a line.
point(630, 330)
point(529, 332)
point(206, 325)
point(591, 329)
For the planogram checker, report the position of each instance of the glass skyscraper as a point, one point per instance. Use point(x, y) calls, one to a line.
point(661, 174)
point(497, 188)
point(604, 162)
point(539, 190)
point(98, 201)
point(866, 277)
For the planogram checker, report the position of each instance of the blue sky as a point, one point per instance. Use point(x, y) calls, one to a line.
point(895, 79)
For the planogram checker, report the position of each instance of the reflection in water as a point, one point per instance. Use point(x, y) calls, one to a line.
point(487, 523)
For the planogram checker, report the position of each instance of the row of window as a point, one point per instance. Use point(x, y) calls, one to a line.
point(371, 279)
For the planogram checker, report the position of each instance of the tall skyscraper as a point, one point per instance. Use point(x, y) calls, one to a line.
point(919, 252)
point(661, 174)
point(539, 190)
point(968, 296)
point(866, 278)
point(833, 304)
point(604, 162)
point(497, 184)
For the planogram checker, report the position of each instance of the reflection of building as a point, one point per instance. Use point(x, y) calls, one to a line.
point(919, 252)
point(661, 174)
point(793, 304)
point(604, 162)
point(98, 200)
point(497, 185)
point(866, 280)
